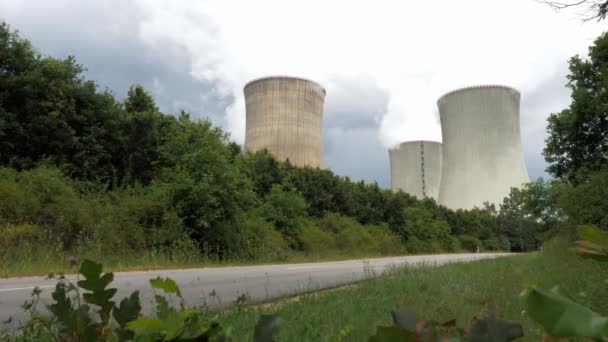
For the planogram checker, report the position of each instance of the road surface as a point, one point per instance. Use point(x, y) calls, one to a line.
point(220, 286)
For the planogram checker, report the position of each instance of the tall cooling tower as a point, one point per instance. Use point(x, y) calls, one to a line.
point(285, 115)
point(482, 152)
point(416, 168)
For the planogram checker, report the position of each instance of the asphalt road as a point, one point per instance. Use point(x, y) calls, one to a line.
point(221, 286)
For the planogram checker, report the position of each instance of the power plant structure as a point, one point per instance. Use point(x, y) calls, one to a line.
point(416, 168)
point(482, 151)
point(285, 115)
point(480, 159)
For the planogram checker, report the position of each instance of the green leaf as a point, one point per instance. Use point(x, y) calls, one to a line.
point(591, 250)
point(495, 330)
point(90, 269)
point(162, 307)
point(63, 306)
point(562, 317)
point(593, 243)
point(392, 334)
point(128, 311)
point(593, 234)
point(267, 328)
point(146, 326)
point(406, 319)
point(168, 285)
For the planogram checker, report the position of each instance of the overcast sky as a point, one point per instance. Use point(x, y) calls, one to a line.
point(383, 63)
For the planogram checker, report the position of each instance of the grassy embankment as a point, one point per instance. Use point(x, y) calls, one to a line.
point(46, 260)
point(453, 291)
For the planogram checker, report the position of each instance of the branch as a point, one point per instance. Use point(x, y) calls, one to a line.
point(595, 9)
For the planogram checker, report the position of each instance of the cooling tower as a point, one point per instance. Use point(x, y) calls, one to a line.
point(285, 115)
point(482, 152)
point(416, 168)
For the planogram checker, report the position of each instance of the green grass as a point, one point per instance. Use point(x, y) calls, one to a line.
point(453, 291)
point(43, 260)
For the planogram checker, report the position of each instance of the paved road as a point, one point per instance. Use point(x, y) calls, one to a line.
point(260, 283)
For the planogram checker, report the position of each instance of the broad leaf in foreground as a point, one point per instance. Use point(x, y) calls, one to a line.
point(562, 317)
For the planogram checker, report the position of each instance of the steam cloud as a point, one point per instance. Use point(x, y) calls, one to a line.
point(415, 53)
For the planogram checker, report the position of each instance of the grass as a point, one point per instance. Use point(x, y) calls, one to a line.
point(453, 291)
point(43, 260)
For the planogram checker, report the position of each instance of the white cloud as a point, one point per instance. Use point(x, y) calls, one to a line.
point(384, 63)
point(415, 50)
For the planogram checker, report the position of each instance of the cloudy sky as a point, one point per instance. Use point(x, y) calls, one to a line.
point(383, 63)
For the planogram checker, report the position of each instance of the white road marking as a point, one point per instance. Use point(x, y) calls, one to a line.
point(26, 288)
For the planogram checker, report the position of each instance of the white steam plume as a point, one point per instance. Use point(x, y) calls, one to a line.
point(414, 50)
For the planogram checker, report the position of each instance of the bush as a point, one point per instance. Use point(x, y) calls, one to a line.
point(493, 244)
point(453, 244)
point(417, 246)
point(316, 241)
point(587, 202)
point(17, 205)
point(385, 241)
point(21, 239)
point(353, 238)
point(250, 237)
point(286, 210)
point(469, 243)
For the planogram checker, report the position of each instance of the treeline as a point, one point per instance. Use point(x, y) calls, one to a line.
point(82, 168)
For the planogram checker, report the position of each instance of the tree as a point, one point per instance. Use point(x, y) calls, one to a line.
point(593, 9)
point(286, 209)
point(264, 170)
point(587, 203)
point(206, 187)
point(577, 138)
point(142, 133)
point(139, 100)
point(421, 224)
point(48, 111)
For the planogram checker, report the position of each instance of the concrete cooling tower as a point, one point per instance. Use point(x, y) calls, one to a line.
point(285, 115)
point(416, 168)
point(482, 151)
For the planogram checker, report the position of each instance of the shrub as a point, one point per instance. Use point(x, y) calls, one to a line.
point(385, 241)
point(469, 243)
point(453, 244)
point(353, 238)
point(417, 246)
point(316, 241)
point(493, 244)
point(17, 205)
point(286, 210)
point(586, 203)
point(250, 237)
point(335, 223)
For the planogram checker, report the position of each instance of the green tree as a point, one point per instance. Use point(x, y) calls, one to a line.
point(587, 203)
point(206, 187)
point(286, 209)
point(421, 224)
point(577, 135)
point(142, 133)
point(264, 170)
point(48, 111)
point(139, 100)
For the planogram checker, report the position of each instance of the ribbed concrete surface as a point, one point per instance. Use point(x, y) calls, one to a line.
point(482, 152)
point(416, 168)
point(285, 115)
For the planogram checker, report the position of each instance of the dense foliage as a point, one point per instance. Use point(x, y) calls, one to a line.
point(577, 139)
point(80, 167)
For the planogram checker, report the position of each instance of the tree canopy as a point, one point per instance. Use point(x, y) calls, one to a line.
point(578, 135)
